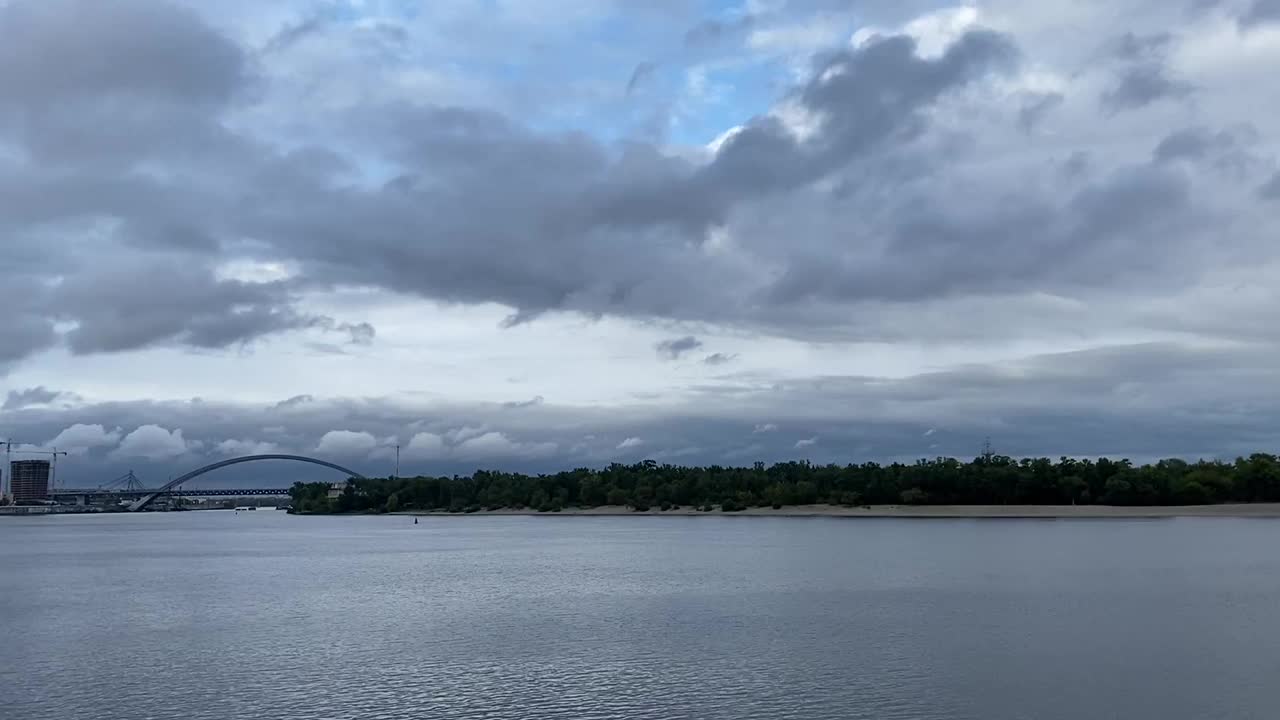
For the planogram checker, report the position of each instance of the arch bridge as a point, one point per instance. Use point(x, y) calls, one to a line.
point(146, 500)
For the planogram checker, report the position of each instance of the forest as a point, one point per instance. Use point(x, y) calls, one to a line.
point(986, 480)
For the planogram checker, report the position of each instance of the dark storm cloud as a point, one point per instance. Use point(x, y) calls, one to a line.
point(484, 209)
point(1144, 76)
point(1143, 85)
point(1261, 12)
point(1228, 150)
point(177, 303)
point(673, 349)
point(869, 209)
point(58, 50)
point(25, 334)
point(295, 401)
point(1036, 108)
point(1026, 242)
point(491, 211)
point(292, 33)
point(1132, 46)
point(1192, 143)
point(640, 75)
point(1270, 190)
point(1076, 166)
point(868, 97)
point(116, 82)
point(18, 399)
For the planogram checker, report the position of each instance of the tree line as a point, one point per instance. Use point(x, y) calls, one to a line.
point(986, 480)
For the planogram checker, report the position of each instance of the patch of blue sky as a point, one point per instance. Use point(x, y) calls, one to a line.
point(725, 97)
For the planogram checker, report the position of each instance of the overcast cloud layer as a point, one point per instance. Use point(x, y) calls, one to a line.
point(702, 232)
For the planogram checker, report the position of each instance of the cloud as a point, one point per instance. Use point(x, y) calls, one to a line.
point(80, 439)
point(810, 442)
point(518, 404)
point(716, 359)
point(640, 75)
point(1036, 107)
point(1194, 143)
point(178, 204)
point(1139, 401)
point(67, 65)
point(237, 448)
point(1270, 190)
point(578, 226)
point(425, 446)
point(293, 33)
point(765, 428)
point(673, 349)
point(295, 401)
point(18, 399)
point(497, 445)
point(345, 443)
point(712, 32)
point(26, 333)
point(630, 443)
point(115, 313)
point(474, 445)
point(1260, 12)
point(153, 442)
point(1144, 76)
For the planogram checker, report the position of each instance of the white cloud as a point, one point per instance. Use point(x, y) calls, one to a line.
point(236, 448)
point(462, 434)
point(346, 443)
point(930, 432)
point(153, 443)
point(425, 446)
point(80, 439)
point(937, 30)
point(765, 428)
point(801, 444)
point(933, 32)
point(498, 445)
point(801, 36)
point(716, 143)
point(629, 443)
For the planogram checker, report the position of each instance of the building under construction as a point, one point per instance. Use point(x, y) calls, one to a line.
point(29, 480)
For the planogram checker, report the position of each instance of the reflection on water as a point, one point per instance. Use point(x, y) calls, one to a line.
point(261, 615)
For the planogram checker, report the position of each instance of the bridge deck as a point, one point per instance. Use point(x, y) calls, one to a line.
point(211, 492)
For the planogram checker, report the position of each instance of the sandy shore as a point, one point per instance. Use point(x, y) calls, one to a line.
point(1258, 510)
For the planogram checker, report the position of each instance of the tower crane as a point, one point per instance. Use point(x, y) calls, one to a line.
point(53, 456)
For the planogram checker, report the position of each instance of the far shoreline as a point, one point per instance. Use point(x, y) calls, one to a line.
point(1235, 510)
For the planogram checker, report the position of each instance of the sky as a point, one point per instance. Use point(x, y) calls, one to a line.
point(534, 235)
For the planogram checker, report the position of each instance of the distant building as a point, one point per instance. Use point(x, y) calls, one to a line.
point(29, 480)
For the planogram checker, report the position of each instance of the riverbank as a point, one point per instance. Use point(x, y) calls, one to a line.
point(1253, 510)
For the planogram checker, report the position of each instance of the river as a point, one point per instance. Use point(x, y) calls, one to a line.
point(232, 616)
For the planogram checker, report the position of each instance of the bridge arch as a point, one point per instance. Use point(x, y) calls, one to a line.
point(145, 501)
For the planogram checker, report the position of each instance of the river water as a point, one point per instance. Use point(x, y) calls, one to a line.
point(219, 615)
